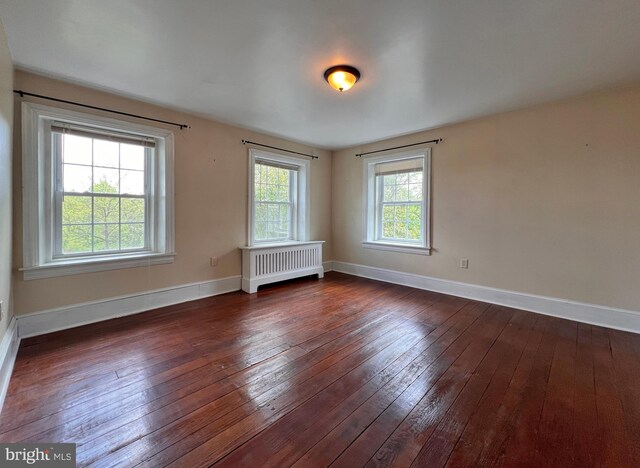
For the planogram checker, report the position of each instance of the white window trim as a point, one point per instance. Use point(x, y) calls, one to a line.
point(369, 210)
point(302, 196)
point(36, 205)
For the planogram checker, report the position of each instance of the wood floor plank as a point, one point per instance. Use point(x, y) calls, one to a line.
point(555, 434)
point(284, 441)
point(344, 371)
point(521, 441)
point(490, 424)
point(273, 404)
point(431, 365)
point(415, 398)
point(410, 435)
point(481, 393)
point(230, 404)
point(585, 411)
point(615, 446)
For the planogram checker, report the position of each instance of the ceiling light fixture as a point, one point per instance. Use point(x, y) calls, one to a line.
point(341, 77)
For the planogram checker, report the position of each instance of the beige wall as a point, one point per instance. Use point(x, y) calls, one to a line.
point(6, 121)
point(210, 205)
point(544, 201)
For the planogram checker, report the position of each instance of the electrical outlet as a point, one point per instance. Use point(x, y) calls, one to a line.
point(214, 261)
point(464, 263)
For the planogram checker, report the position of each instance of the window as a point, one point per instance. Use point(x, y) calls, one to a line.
point(397, 202)
point(278, 198)
point(103, 189)
point(101, 192)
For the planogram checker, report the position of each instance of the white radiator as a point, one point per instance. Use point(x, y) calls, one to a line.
point(263, 264)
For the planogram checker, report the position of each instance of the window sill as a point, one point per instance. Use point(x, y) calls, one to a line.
point(417, 250)
point(91, 265)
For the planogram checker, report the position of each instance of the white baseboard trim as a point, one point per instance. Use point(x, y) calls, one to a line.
point(328, 266)
point(8, 352)
point(47, 321)
point(619, 319)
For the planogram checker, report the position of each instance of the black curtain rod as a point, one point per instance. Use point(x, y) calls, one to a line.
point(436, 141)
point(24, 93)
point(245, 142)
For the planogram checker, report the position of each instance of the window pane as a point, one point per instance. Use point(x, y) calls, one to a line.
point(131, 157)
point(106, 153)
point(285, 220)
point(106, 237)
point(261, 221)
point(106, 209)
point(132, 236)
point(132, 182)
point(260, 192)
point(415, 192)
point(414, 231)
point(387, 213)
point(388, 193)
point(400, 231)
point(402, 192)
point(415, 177)
point(271, 175)
point(273, 213)
point(283, 193)
point(76, 150)
point(271, 192)
point(283, 177)
point(414, 213)
point(76, 239)
point(387, 230)
point(132, 210)
point(76, 210)
point(105, 180)
point(76, 178)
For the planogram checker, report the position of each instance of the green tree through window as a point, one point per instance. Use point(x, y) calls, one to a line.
point(102, 221)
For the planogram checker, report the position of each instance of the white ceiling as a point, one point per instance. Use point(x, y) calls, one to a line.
point(259, 63)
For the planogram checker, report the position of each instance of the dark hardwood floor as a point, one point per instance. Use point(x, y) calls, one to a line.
point(343, 372)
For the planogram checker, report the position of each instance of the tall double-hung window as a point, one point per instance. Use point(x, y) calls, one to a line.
point(98, 193)
point(278, 196)
point(397, 202)
point(102, 191)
